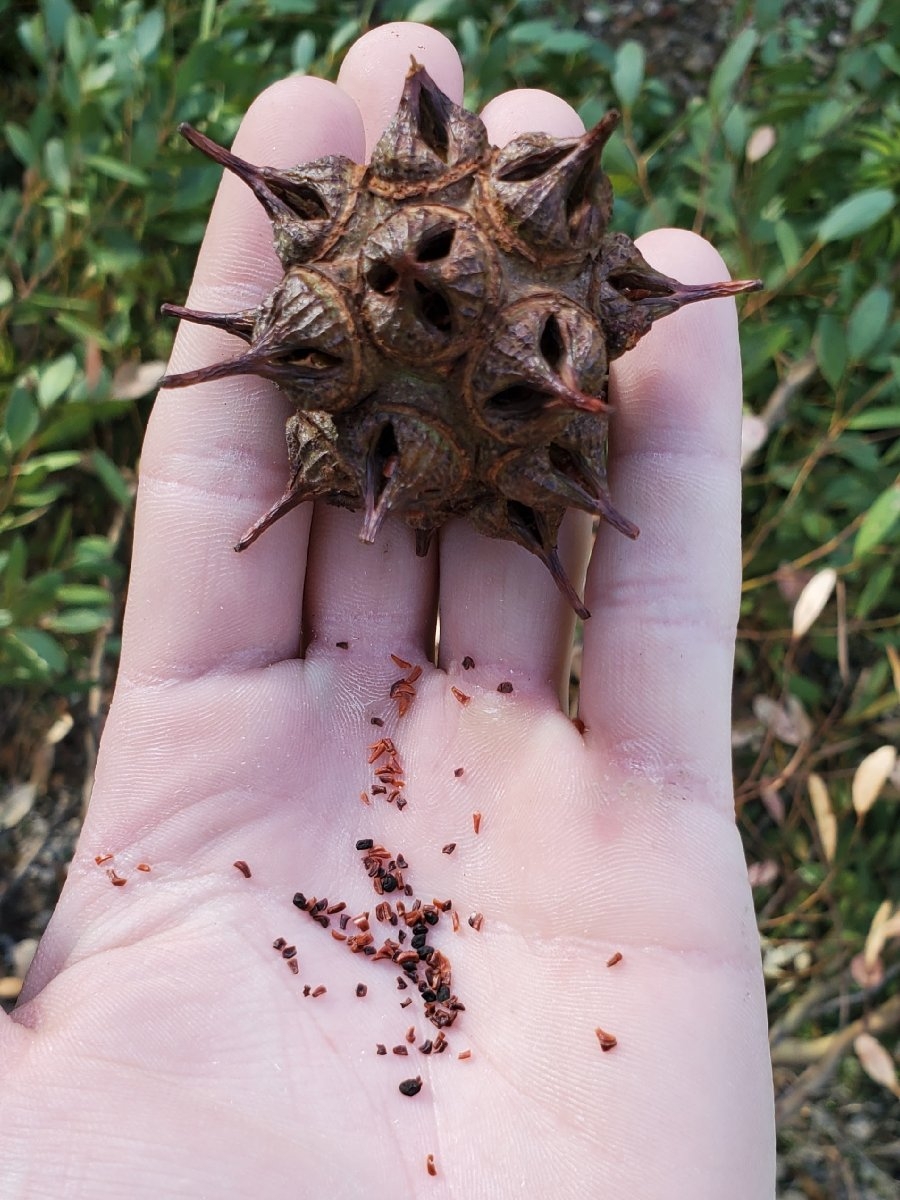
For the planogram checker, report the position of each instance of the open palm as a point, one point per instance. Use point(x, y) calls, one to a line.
point(163, 1046)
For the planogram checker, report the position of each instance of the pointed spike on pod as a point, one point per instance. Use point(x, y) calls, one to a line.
point(382, 482)
point(533, 534)
point(690, 293)
point(240, 324)
point(430, 141)
point(613, 517)
point(282, 506)
point(251, 175)
point(245, 364)
point(424, 538)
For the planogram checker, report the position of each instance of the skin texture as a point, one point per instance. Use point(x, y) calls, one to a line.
point(162, 1047)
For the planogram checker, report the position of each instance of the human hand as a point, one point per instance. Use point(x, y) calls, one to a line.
point(162, 1046)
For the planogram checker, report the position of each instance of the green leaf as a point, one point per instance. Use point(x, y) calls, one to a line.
point(874, 590)
point(22, 418)
point(148, 33)
point(731, 67)
point(864, 14)
point(427, 11)
point(628, 73)
point(56, 165)
point(56, 379)
point(77, 620)
point(868, 321)
point(877, 418)
point(20, 143)
point(83, 594)
point(43, 650)
point(831, 348)
point(114, 168)
point(879, 522)
point(855, 215)
point(111, 478)
point(303, 51)
point(56, 14)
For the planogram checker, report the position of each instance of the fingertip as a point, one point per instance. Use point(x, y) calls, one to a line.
point(529, 110)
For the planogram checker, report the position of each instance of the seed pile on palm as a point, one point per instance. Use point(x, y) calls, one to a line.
point(445, 325)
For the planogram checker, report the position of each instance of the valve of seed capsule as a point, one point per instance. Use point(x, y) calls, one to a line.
point(546, 359)
point(429, 277)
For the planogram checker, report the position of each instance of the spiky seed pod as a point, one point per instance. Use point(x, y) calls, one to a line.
point(445, 324)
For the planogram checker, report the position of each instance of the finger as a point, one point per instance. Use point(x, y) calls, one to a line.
point(214, 457)
point(658, 653)
point(499, 604)
point(357, 592)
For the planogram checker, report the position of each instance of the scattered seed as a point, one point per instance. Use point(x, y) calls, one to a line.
point(306, 988)
point(476, 921)
point(336, 908)
point(506, 687)
point(279, 944)
point(459, 772)
point(468, 662)
point(365, 844)
point(318, 991)
point(342, 645)
point(361, 989)
point(607, 1040)
point(426, 1046)
point(115, 879)
point(411, 1087)
point(464, 1054)
point(415, 675)
point(460, 696)
point(289, 952)
point(364, 796)
point(401, 662)
point(294, 966)
point(406, 1003)
point(411, 1034)
point(429, 1165)
point(616, 958)
point(144, 867)
point(338, 936)
point(380, 1049)
point(376, 721)
point(399, 1050)
point(476, 821)
point(449, 848)
point(454, 918)
point(100, 859)
point(300, 901)
point(242, 867)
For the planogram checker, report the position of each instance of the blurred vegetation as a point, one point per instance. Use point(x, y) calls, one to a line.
point(788, 159)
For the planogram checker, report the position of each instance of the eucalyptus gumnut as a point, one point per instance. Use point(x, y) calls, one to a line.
point(445, 324)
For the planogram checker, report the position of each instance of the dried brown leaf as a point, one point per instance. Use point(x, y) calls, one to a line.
point(826, 822)
point(788, 721)
point(876, 1062)
point(812, 601)
point(760, 142)
point(870, 777)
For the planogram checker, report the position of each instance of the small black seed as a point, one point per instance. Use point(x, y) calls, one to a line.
point(411, 1087)
point(505, 688)
point(342, 645)
point(432, 918)
point(389, 883)
point(376, 721)
point(365, 844)
point(300, 901)
point(468, 663)
point(361, 989)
